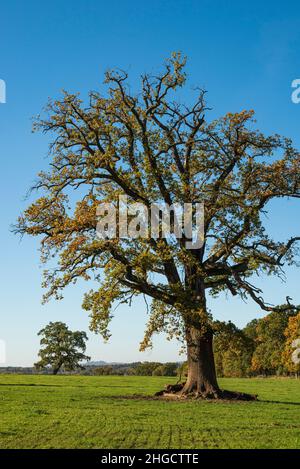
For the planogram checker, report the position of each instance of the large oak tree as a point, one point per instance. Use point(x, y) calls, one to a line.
point(153, 148)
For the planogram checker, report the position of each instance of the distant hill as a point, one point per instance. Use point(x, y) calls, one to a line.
point(96, 363)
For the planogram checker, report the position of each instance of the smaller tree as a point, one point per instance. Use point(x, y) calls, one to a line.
point(291, 353)
point(61, 348)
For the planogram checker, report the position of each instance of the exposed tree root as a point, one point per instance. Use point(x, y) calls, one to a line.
point(174, 391)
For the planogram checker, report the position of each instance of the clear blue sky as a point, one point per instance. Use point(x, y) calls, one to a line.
point(245, 54)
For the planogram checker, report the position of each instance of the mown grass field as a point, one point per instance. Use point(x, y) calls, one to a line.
point(104, 412)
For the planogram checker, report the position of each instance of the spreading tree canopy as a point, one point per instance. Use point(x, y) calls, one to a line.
point(153, 148)
point(61, 348)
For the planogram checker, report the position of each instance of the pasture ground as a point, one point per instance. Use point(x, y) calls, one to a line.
point(43, 411)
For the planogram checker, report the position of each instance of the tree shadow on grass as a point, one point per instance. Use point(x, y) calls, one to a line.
point(128, 397)
point(30, 385)
point(266, 401)
point(145, 397)
point(62, 385)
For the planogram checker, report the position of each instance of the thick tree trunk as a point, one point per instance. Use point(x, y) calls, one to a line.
point(201, 379)
point(56, 369)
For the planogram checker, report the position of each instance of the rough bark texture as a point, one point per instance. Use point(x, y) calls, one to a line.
point(201, 380)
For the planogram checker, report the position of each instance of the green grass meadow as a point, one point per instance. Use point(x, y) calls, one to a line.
point(116, 412)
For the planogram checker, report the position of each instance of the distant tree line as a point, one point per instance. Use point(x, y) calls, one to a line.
point(139, 369)
point(264, 347)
